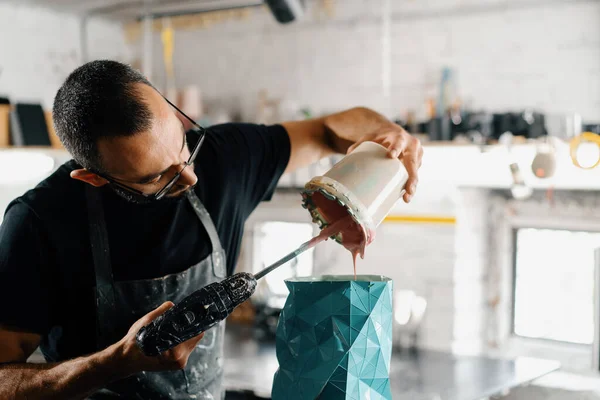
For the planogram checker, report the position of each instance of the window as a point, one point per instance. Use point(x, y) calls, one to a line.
point(274, 240)
point(554, 284)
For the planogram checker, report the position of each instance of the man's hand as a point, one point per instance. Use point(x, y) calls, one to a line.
point(401, 145)
point(314, 139)
point(79, 377)
point(136, 361)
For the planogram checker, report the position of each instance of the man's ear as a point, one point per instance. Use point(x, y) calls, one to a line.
point(88, 177)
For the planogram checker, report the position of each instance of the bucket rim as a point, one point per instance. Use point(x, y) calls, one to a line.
point(338, 278)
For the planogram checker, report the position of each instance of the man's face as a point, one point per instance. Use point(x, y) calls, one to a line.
point(148, 160)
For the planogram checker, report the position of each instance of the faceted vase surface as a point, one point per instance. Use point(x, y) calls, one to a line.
point(334, 339)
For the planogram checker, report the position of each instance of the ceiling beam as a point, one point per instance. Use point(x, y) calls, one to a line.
point(135, 9)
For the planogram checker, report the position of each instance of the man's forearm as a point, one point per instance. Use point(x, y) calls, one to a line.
point(312, 140)
point(73, 379)
point(344, 128)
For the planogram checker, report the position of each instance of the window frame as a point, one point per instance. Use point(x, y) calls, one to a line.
point(514, 238)
point(574, 357)
point(255, 245)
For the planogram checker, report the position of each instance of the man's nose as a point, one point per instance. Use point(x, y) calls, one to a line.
point(188, 177)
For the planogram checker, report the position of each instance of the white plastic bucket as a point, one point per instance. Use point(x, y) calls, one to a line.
point(367, 182)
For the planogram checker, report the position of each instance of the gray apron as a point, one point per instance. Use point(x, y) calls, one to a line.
point(120, 304)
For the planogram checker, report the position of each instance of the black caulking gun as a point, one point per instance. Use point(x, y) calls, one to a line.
point(203, 309)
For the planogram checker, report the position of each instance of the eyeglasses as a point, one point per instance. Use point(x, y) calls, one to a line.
point(165, 190)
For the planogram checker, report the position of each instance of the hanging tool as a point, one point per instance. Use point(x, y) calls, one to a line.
point(204, 308)
point(574, 144)
point(543, 165)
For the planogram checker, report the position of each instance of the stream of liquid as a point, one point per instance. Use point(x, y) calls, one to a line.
point(348, 228)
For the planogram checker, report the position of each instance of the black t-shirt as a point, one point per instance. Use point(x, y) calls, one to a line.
point(46, 269)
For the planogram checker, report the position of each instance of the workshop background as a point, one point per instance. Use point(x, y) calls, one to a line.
point(495, 259)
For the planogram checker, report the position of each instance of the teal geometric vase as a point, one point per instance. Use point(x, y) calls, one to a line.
point(334, 339)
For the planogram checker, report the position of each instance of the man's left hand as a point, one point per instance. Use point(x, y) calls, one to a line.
point(401, 145)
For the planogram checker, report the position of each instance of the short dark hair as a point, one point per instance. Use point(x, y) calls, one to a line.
point(99, 100)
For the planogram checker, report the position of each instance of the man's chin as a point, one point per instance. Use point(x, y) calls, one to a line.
point(130, 198)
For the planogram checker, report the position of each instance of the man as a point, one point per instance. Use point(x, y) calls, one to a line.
point(143, 215)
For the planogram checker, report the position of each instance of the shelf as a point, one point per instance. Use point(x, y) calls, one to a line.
point(444, 164)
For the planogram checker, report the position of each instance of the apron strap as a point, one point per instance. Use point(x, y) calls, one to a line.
point(105, 300)
point(218, 255)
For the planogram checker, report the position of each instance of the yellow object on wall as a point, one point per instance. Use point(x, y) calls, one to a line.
point(167, 37)
point(419, 219)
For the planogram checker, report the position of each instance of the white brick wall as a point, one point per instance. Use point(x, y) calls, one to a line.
point(507, 55)
point(39, 48)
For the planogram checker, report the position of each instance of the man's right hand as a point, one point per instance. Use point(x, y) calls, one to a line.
point(134, 360)
point(79, 377)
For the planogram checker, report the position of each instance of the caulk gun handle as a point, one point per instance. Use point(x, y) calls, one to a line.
point(195, 314)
